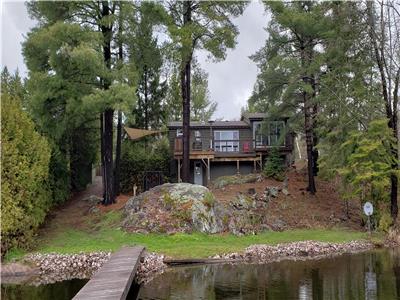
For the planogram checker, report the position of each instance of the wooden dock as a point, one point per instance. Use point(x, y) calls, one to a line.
point(114, 278)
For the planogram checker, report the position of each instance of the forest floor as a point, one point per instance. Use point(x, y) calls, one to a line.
point(80, 226)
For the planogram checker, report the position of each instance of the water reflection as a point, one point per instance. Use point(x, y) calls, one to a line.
point(63, 290)
point(372, 275)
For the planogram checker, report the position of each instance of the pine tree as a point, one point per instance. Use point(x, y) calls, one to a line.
point(290, 67)
point(199, 25)
point(87, 68)
point(146, 55)
point(385, 40)
point(202, 107)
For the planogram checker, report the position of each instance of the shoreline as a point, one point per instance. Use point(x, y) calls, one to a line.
point(52, 267)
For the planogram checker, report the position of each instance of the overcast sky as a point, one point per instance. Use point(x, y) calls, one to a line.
point(230, 81)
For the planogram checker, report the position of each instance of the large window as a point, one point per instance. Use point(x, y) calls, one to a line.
point(260, 138)
point(276, 133)
point(269, 134)
point(226, 141)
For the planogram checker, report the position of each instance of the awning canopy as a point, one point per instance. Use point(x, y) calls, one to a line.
point(136, 134)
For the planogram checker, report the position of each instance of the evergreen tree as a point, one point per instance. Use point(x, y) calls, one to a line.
point(385, 40)
point(83, 66)
point(368, 166)
point(199, 25)
point(25, 158)
point(290, 65)
point(146, 54)
point(202, 107)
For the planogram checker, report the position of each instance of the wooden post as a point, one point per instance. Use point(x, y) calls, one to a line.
point(255, 166)
point(179, 170)
point(237, 167)
point(208, 171)
point(261, 162)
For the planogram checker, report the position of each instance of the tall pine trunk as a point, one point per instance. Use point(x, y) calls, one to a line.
point(118, 155)
point(308, 117)
point(119, 122)
point(103, 176)
point(107, 134)
point(146, 113)
point(310, 144)
point(185, 85)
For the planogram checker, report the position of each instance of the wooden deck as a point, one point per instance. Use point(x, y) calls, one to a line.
point(115, 278)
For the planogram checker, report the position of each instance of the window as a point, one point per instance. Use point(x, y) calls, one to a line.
point(197, 135)
point(276, 133)
point(269, 134)
point(179, 132)
point(260, 138)
point(226, 141)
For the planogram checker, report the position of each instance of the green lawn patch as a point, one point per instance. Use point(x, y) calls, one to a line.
point(194, 245)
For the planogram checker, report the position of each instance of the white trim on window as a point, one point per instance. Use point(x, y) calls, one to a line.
point(226, 141)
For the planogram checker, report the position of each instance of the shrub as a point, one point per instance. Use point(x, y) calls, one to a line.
point(274, 165)
point(209, 200)
point(139, 157)
point(25, 161)
point(385, 222)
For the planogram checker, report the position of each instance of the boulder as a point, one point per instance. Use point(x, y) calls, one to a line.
point(243, 201)
point(173, 207)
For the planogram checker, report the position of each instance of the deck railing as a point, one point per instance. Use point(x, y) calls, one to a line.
point(234, 146)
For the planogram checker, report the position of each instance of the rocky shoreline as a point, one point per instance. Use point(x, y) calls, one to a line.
point(50, 268)
point(295, 250)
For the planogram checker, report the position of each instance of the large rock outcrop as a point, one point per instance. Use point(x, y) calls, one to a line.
point(174, 207)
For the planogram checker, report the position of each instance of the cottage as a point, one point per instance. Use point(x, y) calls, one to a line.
point(219, 148)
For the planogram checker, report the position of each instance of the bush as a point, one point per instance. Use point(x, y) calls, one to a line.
point(139, 157)
point(385, 222)
point(25, 161)
point(274, 165)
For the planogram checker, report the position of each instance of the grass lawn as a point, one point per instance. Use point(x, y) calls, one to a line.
point(195, 245)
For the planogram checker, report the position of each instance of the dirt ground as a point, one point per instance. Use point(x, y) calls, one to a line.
point(300, 209)
point(297, 210)
point(75, 212)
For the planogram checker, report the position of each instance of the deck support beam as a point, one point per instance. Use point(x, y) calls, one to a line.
point(179, 170)
point(207, 165)
point(237, 167)
point(208, 171)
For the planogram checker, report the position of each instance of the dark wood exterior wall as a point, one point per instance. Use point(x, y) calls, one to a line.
point(245, 135)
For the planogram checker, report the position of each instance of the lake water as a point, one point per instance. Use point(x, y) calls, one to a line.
point(369, 275)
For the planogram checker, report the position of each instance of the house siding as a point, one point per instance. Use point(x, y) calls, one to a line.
point(225, 168)
point(219, 169)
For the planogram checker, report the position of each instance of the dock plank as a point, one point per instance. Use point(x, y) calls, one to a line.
point(114, 278)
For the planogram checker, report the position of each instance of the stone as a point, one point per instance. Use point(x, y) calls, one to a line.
point(183, 202)
point(94, 210)
point(278, 225)
point(243, 201)
point(93, 199)
point(272, 191)
point(251, 191)
point(285, 191)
